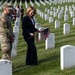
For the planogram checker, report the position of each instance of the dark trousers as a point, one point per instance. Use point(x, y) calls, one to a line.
point(31, 57)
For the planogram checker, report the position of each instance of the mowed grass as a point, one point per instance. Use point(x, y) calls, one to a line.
point(48, 60)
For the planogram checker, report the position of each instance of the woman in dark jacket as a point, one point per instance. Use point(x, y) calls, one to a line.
point(28, 27)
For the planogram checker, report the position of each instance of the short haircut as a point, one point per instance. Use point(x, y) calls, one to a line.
point(8, 5)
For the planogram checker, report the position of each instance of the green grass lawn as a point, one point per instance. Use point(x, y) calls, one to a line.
point(48, 60)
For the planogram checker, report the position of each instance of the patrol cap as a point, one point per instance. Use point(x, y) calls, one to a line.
point(8, 5)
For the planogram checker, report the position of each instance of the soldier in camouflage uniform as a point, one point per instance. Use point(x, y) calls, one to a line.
point(6, 32)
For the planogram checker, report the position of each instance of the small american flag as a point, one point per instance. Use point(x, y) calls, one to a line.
point(44, 33)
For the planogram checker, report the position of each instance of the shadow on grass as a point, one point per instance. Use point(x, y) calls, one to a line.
point(21, 68)
point(49, 59)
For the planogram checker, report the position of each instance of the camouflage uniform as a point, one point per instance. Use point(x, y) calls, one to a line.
point(6, 34)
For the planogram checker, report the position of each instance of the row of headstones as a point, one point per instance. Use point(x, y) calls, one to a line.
point(42, 2)
point(62, 11)
point(16, 33)
point(32, 4)
point(55, 14)
point(1, 6)
point(46, 17)
point(60, 1)
point(67, 52)
point(20, 3)
point(37, 3)
point(15, 3)
point(67, 55)
point(60, 8)
point(57, 25)
point(47, 2)
point(50, 2)
point(6, 65)
point(66, 27)
point(49, 41)
point(26, 5)
point(1, 2)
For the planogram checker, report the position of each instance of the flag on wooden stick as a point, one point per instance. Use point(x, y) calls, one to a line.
point(44, 34)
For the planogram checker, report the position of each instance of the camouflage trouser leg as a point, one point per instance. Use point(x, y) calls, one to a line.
point(6, 46)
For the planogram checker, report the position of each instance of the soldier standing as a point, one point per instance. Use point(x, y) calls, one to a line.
point(6, 32)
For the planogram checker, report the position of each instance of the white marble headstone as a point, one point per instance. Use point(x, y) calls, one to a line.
point(41, 36)
point(48, 11)
point(50, 19)
point(73, 21)
point(14, 50)
point(51, 12)
point(65, 17)
point(50, 41)
point(17, 19)
point(72, 13)
point(59, 15)
point(5, 67)
point(57, 24)
point(46, 16)
point(55, 14)
point(15, 38)
point(66, 12)
point(67, 56)
point(37, 25)
point(42, 15)
point(17, 23)
point(66, 28)
point(16, 29)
